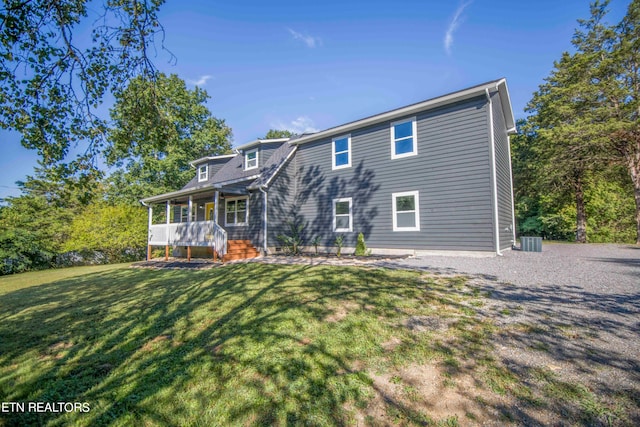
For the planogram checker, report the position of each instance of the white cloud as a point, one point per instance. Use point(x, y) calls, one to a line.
point(302, 124)
point(201, 81)
point(310, 41)
point(453, 26)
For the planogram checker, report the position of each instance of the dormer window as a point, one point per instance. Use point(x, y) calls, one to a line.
point(251, 159)
point(203, 173)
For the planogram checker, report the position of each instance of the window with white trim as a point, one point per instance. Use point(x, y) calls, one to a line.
point(406, 211)
point(342, 215)
point(251, 159)
point(236, 211)
point(404, 141)
point(341, 152)
point(203, 173)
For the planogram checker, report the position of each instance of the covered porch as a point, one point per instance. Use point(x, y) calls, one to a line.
point(203, 223)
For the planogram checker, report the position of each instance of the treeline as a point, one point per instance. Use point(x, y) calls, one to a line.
point(72, 213)
point(576, 158)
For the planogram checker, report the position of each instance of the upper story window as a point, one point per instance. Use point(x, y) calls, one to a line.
point(251, 159)
point(342, 215)
point(406, 211)
point(341, 152)
point(403, 138)
point(203, 173)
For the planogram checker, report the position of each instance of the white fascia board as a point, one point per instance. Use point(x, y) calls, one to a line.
point(507, 110)
point(235, 181)
point(410, 110)
point(193, 163)
point(260, 141)
point(174, 194)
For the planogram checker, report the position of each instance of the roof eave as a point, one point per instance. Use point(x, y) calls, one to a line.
point(471, 92)
point(260, 141)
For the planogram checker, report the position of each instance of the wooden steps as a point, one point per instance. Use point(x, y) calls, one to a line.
point(240, 249)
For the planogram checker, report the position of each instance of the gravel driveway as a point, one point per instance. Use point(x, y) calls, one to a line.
point(582, 303)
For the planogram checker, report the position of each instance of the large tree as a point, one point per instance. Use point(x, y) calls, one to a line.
point(58, 59)
point(158, 128)
point(588, 110)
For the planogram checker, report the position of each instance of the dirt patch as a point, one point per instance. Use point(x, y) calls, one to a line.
point(56, 351)
point(150, 345)
point(423, 394)
point(341, 311)
point(428, 323)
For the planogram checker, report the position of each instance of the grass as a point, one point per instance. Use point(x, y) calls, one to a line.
point(244, 344)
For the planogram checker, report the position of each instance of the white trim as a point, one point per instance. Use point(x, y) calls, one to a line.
point(235, 181)
point(246, 159)
point(193, 163)
point(416, 196)
point(513, 210)
point(343, 230)
point(333, 152)
point(246, 217)
point(203, 170)
point(414, 108)
point(273, 175)
point(494, 173)
point(414, 136)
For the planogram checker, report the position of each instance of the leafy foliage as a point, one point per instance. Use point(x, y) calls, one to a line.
point(119, 231)
point(275, 134)
point(361, 247)
point(159, 127)
point(292, 241)
point(54, 77)
point(584, 121)
point(339, 242)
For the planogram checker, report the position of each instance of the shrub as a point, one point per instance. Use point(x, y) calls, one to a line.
point(361, 247)
point(339, 243)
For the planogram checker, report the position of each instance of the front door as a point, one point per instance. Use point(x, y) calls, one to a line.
point(209, 211)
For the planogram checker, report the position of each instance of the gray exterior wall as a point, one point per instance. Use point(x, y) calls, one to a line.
point(252, 231)
point(451, 173)
point(281, 202)
point(266, 150)
point(503, 175)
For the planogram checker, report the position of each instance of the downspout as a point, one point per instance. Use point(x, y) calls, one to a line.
point(264, 219)
point(494, 173)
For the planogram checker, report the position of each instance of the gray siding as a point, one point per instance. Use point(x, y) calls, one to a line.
point(281, 202)
point(252, 231)
point(266, 150)
point(503, 175)
point(451, 173)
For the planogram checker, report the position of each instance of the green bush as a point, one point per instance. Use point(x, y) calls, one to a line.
point(361, 247)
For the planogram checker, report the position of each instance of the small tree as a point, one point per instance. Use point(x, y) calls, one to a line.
point(339, 242)
point(293, 240)
point(361, 247)
point(315, 242)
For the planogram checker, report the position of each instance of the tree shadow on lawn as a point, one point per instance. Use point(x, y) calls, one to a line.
point(242, 344)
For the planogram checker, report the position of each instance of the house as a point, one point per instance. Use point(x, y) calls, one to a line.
point(431, 176)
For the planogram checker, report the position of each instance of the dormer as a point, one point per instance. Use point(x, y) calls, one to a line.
point(206, 167)
point(256, 153)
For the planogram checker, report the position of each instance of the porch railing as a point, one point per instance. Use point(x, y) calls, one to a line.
point(197, 233)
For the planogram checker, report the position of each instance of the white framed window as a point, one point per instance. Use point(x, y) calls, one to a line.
point(203, 173)
point(236, 211)
point(341, 152)
point(251, 159)
point(342, 215)
point(406, 211)
point(404, 141)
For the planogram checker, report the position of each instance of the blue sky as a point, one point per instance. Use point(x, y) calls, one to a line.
point(308, 67)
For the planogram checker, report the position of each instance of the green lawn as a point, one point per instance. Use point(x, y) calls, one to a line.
point(244, 344)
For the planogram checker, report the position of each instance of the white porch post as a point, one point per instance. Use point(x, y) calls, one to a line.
point(216, 199)
point(166, 247)
point(190, 209)
point(150, 209)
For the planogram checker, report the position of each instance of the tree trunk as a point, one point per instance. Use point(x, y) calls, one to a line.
point(581, 214)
